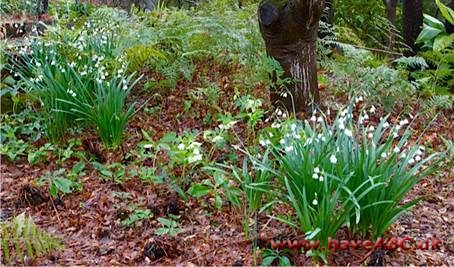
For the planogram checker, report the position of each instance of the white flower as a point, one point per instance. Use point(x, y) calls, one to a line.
point(282, 142)
point(275, 125)
point(418, 158)
point(315, 201)
point(320, 119)
point(288, 148)
point(372, 109)
point(147, 146)
point(411, 161)
point(313, 118)
point(194, 158)
point(317, 170)
point(321, 178)
point(279, 112)
point(403, 122)
point(343, 112)
point(396, 150)
point(348, 132)
point(341, 125)
point(384, 155)
point(333, 159)
point(315, 176)
point(371, 129)
point(419, 152)
point(181, 146)
point(385, 125)
point(218, 138)
point(422, 148)
point(358, 99)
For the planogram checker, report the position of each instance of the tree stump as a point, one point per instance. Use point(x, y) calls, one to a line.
point(289, 28)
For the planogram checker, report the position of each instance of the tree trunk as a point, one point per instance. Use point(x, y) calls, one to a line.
point(289, 28)
point(391, 6)
point(411, 24)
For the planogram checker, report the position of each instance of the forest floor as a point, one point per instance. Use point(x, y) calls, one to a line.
point(88, 222)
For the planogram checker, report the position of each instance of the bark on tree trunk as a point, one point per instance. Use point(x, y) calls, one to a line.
point(411, 24)
point(289, 28)
point(391, 6)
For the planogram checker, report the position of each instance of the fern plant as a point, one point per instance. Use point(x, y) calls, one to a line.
point(21, 236)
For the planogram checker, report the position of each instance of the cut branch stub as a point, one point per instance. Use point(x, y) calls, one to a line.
point(289, 29)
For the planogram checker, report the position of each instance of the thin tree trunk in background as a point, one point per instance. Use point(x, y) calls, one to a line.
point(391, 6)
point(290, 33)
point(411, 24)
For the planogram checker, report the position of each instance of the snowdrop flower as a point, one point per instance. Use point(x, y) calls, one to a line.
point(282, 141)
point(343, 112)
point(181, 146)
point(194, 158)
point(275, 125)
point(385, 125)
point(418, 158)
point(315, 176)
point(320, 119)
point(384, 155)
point(341, 125)
point(348, 133)
point(396, 150)
point(422, 148)
point(403, 155)
point(315, 201)
point(403, 122)
point(372, 109)
point(419, 152)
point(317, 170)
point(313, 118)
point(321, 178)
point(370, 135)
point(371, 129)
point(288, 148)
point(218, 138)
point(411, 161)
point(333, 159)
point(148, 146)
point(279, 112)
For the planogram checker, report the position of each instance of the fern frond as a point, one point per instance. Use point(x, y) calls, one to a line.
point(21, 236)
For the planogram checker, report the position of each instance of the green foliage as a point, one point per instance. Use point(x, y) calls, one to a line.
point(21, 236)
point(16, 133)
point(219, 189)
point(347, 174)
point(15, 7)
point(137, 215)
point(58, 181)
point(141, 56)
point(169, 227)
point(114, 172)
point(255, 186)
point(270, 256)
point(357, 73)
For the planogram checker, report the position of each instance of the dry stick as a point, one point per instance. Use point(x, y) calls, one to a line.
point(55, 209)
